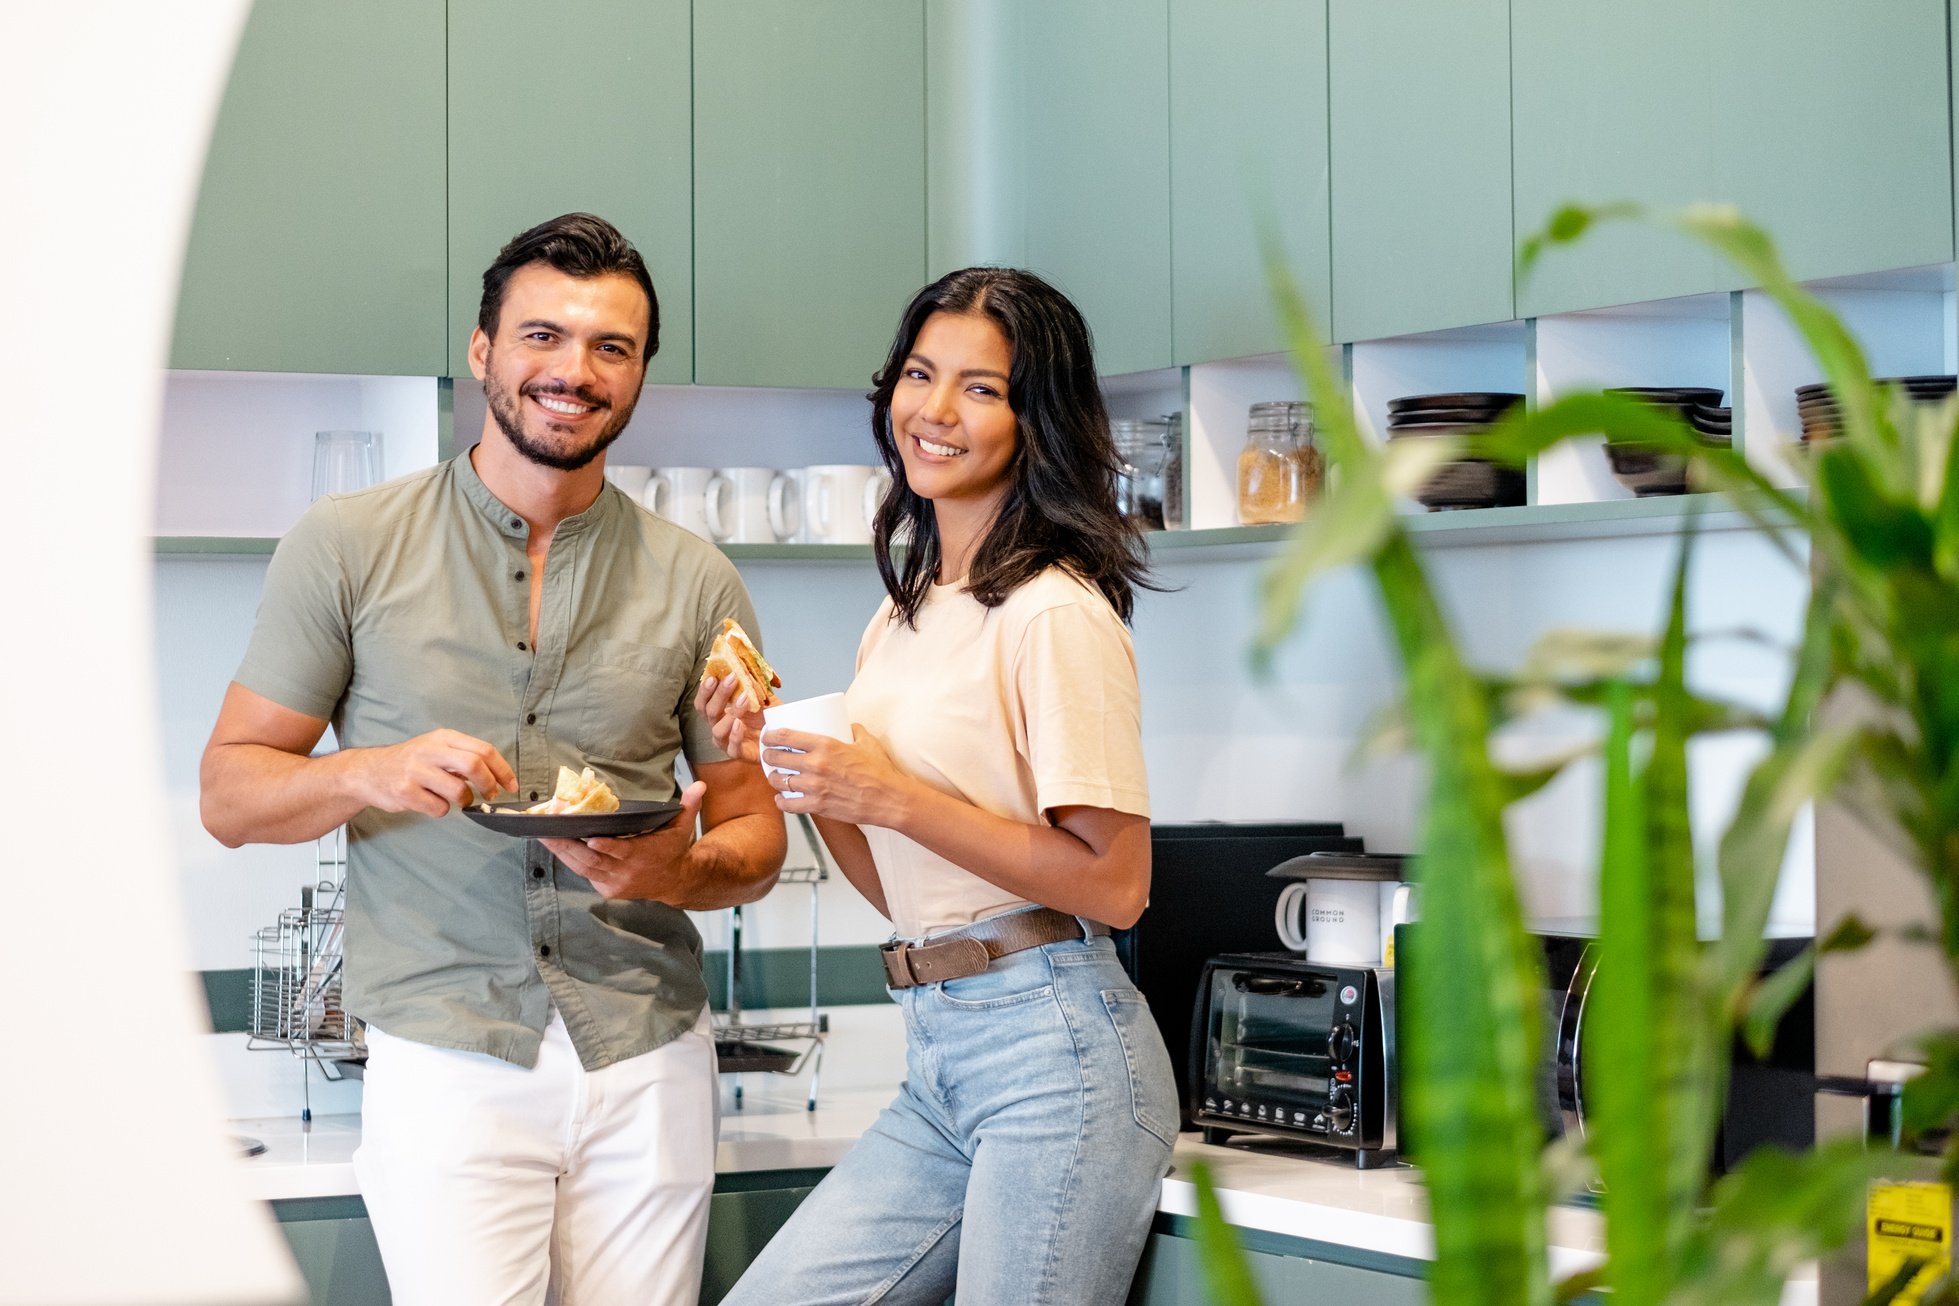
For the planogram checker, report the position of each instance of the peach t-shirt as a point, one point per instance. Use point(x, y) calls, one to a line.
point(1017, 710)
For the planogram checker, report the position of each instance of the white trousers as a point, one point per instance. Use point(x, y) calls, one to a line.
point(492, 1185)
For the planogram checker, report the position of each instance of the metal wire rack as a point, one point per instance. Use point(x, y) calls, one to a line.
point(296, 976)
point(744, 1047)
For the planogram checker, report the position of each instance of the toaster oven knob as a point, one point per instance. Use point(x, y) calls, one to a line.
point(1340, 1044)
point(1340, 1110)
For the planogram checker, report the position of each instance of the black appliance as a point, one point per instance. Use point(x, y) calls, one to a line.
point(1770, 1099)
point(1209, 894)
point(1298, 1051)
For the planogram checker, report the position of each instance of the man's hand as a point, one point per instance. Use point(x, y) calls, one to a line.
point(431, 773)
point(653, 866)
point(735, 728)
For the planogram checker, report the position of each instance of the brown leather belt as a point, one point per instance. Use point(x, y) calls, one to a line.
point(972, 948)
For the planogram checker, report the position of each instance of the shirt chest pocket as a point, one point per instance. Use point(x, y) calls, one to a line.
point(628, 698)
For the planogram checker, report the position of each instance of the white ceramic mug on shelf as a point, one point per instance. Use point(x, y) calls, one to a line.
point(736, 502)
point(679, 494)
point(822, 715)
point(785, 506)
point(840, 501)
point(630, 478)
point(1348, 922)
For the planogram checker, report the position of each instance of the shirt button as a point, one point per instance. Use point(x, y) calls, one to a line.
point(517, 523)
point(531, 720)
point(544, 951)
point(537, 872)
point(520, 575)
point(522, 647)
point(533, 795)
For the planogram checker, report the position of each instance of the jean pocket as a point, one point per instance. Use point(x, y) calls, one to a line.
point(1152, 1083)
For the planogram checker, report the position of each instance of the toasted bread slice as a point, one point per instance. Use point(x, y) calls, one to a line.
point(734, 654)
point(578, 794)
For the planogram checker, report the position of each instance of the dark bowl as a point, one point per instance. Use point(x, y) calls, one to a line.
point(1481, 400)
point(1472, 484)
point(1646, 471)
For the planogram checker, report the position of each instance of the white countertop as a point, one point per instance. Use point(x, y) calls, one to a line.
point(1260, 1187)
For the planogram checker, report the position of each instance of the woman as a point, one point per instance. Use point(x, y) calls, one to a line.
point(994, 806)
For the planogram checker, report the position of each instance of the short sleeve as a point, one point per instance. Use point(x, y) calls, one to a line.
point(1081, 709)
point(301, 651)
point(723, 595)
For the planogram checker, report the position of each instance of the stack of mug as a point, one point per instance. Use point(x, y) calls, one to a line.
point(830, 503)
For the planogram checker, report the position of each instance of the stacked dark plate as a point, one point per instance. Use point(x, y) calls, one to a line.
point(1647, 470)
point(1822, 417)
point(1468, 482)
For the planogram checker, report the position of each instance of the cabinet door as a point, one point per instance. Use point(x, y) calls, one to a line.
point(1827, 123)
point(1094, 147)
point(1420, 142)
point(614, 138)
point(1171, 1275)
point(809, 187)
point(739, 1226)
point(1611, 102)
point(1835, 131)
point(1248, 148)
point(317, 244)
point(337, 1257)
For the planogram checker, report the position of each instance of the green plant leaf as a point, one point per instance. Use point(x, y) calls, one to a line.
point(1771, 997)
point(1931, 1099)
point(1227, 1272)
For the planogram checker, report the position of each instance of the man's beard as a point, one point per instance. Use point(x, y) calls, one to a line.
point(506, 408)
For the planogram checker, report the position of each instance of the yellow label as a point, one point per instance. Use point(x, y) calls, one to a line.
point(1908, 1222)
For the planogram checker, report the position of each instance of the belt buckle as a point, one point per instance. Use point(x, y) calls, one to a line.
point(897, 965)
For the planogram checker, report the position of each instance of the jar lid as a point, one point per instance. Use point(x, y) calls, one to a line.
point(1292, 416)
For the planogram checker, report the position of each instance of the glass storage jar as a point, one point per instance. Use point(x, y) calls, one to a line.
point(1150, 482)
point(1280, 469)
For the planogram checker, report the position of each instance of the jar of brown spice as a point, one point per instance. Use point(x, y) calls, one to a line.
point(1280, 469)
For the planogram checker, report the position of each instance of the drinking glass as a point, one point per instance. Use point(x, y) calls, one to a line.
point(345, 460)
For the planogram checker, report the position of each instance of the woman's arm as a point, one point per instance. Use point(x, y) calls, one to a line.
point(853, 857)
point(1092, 862)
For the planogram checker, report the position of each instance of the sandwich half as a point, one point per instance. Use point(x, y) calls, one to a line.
point(734, 654)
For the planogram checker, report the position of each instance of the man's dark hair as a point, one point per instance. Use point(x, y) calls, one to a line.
point(578, 245)
point(1061, 506)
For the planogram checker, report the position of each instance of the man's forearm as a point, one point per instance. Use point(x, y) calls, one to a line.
point(252, 793)
point(736, 862)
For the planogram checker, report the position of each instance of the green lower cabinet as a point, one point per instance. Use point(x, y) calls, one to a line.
point(744, 1214)
point(1171, 1275)
point(333, 1242)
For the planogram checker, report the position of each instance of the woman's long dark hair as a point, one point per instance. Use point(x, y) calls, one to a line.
point(1060, 509)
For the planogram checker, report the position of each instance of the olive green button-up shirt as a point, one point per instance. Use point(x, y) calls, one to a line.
point(400, 609)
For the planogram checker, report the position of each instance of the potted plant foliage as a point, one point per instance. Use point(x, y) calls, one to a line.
point(1880, 513)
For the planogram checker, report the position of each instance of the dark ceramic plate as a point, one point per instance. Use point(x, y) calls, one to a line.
point(635, 817)
point(1443, 417)
point(1481, 400)
point(1645, 470)
point(1670, 394)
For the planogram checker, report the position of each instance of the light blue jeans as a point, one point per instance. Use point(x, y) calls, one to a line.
point(1021, 1158)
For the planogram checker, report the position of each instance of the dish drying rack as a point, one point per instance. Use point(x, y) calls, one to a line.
point(743, 1047)
point(296, 977)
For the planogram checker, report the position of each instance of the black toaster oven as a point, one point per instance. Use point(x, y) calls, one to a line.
point(1284, 1047)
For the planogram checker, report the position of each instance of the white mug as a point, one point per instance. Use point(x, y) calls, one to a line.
point(679, 494)
point(736, 503)
point(822, 715)
point(785, 506)
point(631, 478)
point(1345, 923)
point(840, 502)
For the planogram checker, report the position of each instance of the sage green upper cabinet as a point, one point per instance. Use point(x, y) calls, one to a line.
point(809, 187)
point(1420, 141)
point(1248, 148)
point(318, 241)
point(1615, 101)
point(1076, 159)
point(614, 138)
point(1840, 145)
point(1826, 123)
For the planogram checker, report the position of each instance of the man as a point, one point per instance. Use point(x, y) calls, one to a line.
point(540, 1103)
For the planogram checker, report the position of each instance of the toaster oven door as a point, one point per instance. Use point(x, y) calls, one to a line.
point(1267, 1057)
